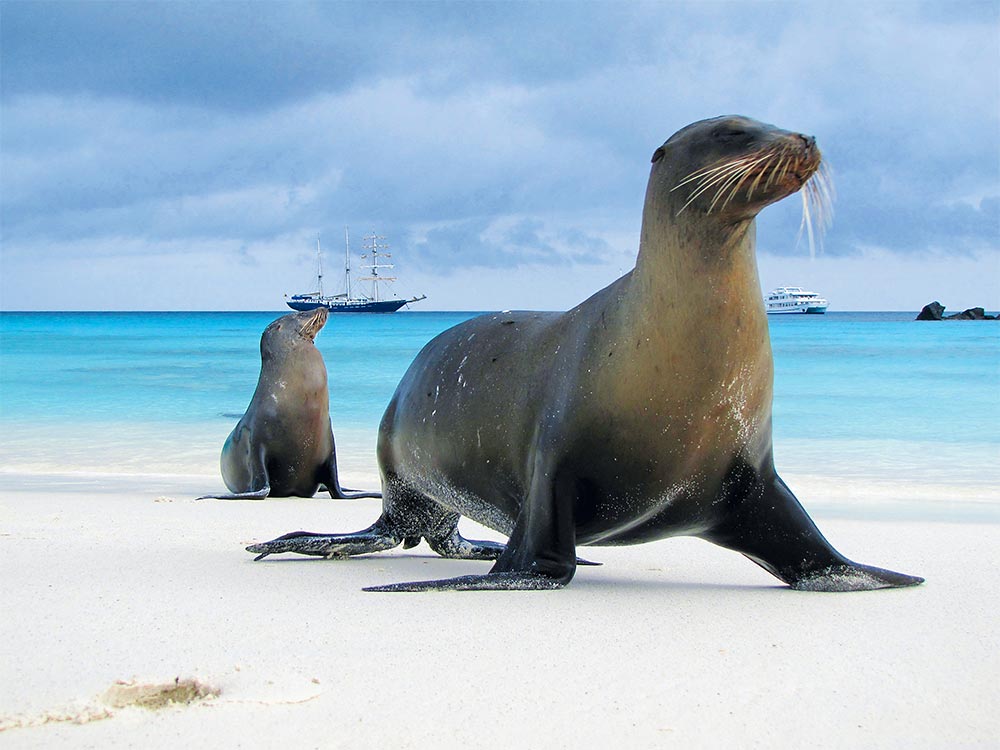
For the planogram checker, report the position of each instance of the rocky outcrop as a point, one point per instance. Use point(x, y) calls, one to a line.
point(935, 311)
point(973, 313)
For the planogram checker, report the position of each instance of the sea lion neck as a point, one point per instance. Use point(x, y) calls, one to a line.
point(282, 352)
point(692, 266)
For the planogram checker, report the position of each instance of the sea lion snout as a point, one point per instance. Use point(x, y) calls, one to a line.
point(313, 324)
point(734, 166)
point(805, 157)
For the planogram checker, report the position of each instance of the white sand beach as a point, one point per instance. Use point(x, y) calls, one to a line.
point(671, 644)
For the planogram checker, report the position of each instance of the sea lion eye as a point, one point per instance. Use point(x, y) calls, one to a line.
point(657, 155)
point(730, 133)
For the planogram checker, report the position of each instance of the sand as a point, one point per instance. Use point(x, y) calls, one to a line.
point(125, 579)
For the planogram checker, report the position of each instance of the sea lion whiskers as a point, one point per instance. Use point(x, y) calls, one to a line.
point(754, 185)
point(807, 224)
point(734, 167)
point(822, 183)
point(732, 194)
point(705, 185)
point(786, 163)
point(722, 164)
point(816, 190)
point(773, 175)
point(769, 165)
point(736, 179)
point(817, 207)
point(314, 324)
point(767, 171)
point(708, 180)
point(766, 157)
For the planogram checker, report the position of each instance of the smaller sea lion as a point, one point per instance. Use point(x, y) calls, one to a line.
point(283, 444)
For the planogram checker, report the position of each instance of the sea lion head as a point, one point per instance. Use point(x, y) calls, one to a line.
point(290, 332)
point(732, 167)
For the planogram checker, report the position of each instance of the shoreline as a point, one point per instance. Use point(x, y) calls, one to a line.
point(117, 582)
point(824, 496)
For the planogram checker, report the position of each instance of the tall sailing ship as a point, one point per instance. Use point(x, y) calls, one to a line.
point(346, 301)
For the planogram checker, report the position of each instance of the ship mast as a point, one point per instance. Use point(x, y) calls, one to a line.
point(347, 263)
point(376, 249)
point(319, 267)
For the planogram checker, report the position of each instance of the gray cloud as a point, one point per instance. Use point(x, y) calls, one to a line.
point(523, 240)
point(251, 55)
point(509, 133)
point(240, 55)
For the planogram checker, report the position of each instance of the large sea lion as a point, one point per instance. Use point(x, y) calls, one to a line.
point(283, 444)
point(640, 414)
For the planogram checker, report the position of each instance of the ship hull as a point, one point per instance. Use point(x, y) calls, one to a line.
point(798, 311)
point(382, 306)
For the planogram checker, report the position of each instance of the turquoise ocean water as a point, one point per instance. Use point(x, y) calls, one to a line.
point(859, 397)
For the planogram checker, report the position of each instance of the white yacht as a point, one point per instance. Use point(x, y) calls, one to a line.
point(794, 299)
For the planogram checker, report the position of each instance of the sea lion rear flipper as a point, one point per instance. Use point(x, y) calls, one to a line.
point(343, 494)
point(488, 582)
point(328, 478)
point(256, 495)
point(772, 529)
point(448, 542)
point(244, 468)
point(375, 538)
point(541, 552)
point(456, 546)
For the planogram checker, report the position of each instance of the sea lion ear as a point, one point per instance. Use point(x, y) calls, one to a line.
point(657, 155)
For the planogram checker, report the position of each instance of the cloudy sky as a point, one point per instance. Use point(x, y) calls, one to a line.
point(186, 155)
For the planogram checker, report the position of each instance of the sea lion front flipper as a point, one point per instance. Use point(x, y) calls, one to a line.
point(375, 538)
point(770, 526)
point(854, 576)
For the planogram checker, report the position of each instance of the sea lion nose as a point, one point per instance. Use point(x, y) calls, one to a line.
point(808, 140)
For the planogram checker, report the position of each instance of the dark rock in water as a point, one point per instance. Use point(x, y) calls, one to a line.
point(933, 311)
point(977, 313)
point(973, 313)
